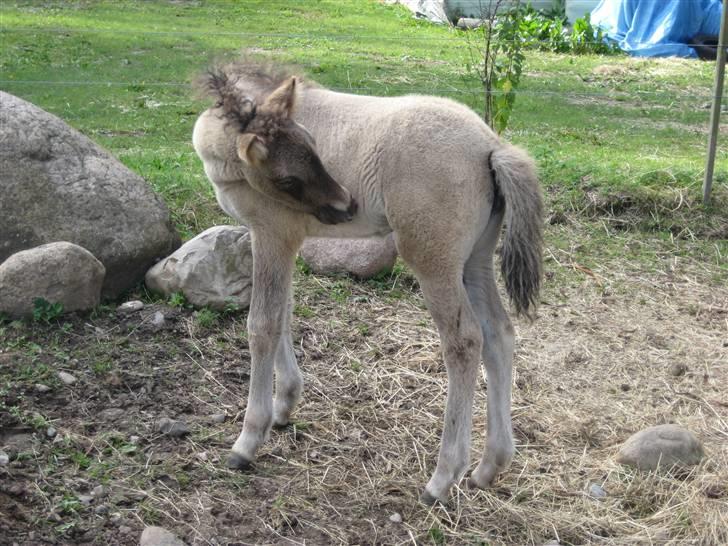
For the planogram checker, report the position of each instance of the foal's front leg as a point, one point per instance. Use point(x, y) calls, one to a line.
point(273, 263)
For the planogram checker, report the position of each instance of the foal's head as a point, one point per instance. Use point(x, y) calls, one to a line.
point(279, 155)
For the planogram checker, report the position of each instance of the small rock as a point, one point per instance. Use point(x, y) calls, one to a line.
point(111, 414)
point(158, 320)
point(202, 455)
point(218, 418)
point(625, 387)
point(662, 445)
point(396, 518)
point(596, 491)
point(51, 432)
point(158, 536)
point(86, 500)
point(40, 388)
point(678, 369)
point(66, 378)
point(4, 458)
point(134, 440)
point(173, 428)
point(125, 530)
point(130, 307)
point(100, 491)
point(101, 509)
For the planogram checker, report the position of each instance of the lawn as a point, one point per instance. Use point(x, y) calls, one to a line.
point(636, 276)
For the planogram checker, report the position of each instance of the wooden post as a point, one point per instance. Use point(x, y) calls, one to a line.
point(715, 112)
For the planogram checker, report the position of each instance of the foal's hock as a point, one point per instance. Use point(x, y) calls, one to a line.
point(291, 160)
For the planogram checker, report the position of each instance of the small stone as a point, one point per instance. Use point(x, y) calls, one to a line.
point(678, 369)
point(86, 500)
point(125, 530)
point(625, 387)
point(100, 491)
point(66, 378)
point(596, 491)
point(202, 455)
point(111, 414)
point(396, 518)
point(101, 509)
point(134, 440)
point(40, 388)
point(158, 536)
point(218, 418)
point(51, 432)
point(130, 307)
point(662, 445)
point(158, 320)
point(4, 458)
point(173, 428)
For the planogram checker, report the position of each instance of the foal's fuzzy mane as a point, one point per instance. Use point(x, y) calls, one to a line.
point(239, 87)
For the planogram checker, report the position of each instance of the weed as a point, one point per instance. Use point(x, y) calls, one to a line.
point(206, 318)
point(177, 299)
point(45, 311)
point(101, 367)
point(303, 311)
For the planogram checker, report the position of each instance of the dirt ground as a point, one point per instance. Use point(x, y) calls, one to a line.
point(614, 350)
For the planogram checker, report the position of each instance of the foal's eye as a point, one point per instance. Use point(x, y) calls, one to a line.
point(291, 185)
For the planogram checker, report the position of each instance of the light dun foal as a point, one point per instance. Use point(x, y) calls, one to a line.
point(292, 160)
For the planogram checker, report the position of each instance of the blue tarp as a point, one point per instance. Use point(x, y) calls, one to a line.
point(657, 28)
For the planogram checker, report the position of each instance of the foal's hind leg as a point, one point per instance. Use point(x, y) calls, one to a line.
point(497, 355)
point(461, 340)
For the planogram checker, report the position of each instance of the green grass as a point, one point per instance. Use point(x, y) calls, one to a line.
point(614, 137)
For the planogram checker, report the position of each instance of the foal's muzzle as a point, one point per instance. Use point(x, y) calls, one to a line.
point(330, 215)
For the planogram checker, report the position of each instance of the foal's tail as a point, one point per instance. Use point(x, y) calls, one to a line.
point(515, 181)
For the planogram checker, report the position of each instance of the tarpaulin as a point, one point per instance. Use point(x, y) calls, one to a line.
point(658, 28)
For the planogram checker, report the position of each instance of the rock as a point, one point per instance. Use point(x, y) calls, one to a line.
point(125, 530)
point(66, 378)
point(130, 307)
point(59, 272)
point(4, 458)
point(170, 427)
point(218, 418)
point(214, 269)
point(158, 536)
point(396, 518)
point(41, 389)
point(86, 500)
point(158, 320)
point(363, 258)
point(469, 23)
point(112, 414)
point(51, 432)
point(596, 491)
point(678, 369)
point(101, 509)
point(134, 440)
point(100, 491)
point(57, 185)
point(662, 445)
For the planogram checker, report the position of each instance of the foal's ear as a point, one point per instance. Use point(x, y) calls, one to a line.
point(251, 149)
point(282, 101)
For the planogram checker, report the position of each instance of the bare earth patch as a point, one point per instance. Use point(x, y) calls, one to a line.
point(596, 366)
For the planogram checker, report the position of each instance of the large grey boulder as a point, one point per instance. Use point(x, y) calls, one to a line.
point(57, 272)
point(57, 185)
point(363, 258)
point(214, 269)
point(662, 445)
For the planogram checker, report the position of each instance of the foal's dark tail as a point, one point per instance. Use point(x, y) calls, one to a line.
point(516, 183)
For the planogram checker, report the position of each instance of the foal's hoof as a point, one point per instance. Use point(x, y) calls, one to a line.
point(238, 462)
point(429, 499)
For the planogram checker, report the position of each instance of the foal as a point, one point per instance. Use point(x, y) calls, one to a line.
point(292, 160)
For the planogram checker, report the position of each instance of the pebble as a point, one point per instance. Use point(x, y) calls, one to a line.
point(40, 388)
point(662, 445)
point(218, 418)
point(396, 518)
point(66, 378)
point(130, 307)
point(158, 320)
point(86, 500)
point(596, 491)
point(134, 440)
point(101, 509)
point(51, 432)
point(202, 455)
point(100, 491)
point(173, 428)
point(125, 530)
point(4, 458)
point(678, 369)
point(111, 414)
point(158, 536)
